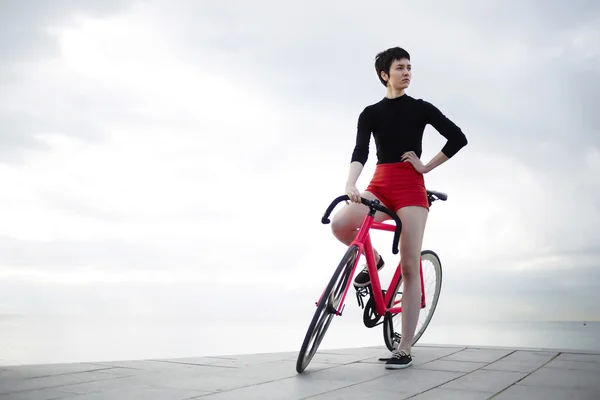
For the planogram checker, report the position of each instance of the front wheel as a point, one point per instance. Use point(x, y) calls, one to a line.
point(432, 277)
point(327, 307)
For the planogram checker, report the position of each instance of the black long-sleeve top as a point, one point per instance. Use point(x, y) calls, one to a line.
point(398, 125)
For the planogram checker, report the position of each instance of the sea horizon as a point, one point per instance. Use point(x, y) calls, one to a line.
point(28, 339)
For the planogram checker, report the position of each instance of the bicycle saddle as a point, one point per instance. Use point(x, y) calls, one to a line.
point(439, 195)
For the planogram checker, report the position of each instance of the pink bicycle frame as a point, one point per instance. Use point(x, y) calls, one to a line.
point(363, 241)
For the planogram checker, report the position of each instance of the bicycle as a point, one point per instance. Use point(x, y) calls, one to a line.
point(381, 303)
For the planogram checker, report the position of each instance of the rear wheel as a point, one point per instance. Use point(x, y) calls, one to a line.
point(327, 308)
point(432, 277)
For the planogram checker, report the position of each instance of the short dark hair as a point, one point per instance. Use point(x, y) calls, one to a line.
point(384, 60)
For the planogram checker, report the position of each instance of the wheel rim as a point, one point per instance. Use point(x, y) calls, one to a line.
point(432, 277)
point(317, 335)
point(327, 312)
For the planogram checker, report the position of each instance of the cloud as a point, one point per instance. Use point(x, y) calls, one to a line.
point(38, 95)
point(559, 286)
point(154, 145)
point(26, 29)
point(499, 83)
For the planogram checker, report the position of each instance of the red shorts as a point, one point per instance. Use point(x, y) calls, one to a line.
point(398, 185)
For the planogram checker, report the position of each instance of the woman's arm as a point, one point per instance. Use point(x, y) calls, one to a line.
point(456, 140)
point(436, 161)
point(448, 129)
point(359, 155)
point(355, 171)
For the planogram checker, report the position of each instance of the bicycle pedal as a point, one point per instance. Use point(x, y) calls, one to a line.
point(360, 293)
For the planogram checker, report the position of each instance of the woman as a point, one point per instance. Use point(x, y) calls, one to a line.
point(397, 123)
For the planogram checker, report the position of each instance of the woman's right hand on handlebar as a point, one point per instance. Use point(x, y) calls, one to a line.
point(353, 193)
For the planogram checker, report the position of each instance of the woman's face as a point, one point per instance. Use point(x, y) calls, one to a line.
point(400, 74)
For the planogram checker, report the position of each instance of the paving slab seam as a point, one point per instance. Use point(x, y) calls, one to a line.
point(292, 377)
point(348, 363)
point(447, 355)
point(441, 384)
point(519, 348)
point(118, 367)
point(538, 368)
point(188, 398)
point(68, 373)
point(65, 385)
point(345, 387)
point(435, 359)
point(458, 350)
point(103, 371)
point(255, 384)
point(391, 373)
point(333, 353)
point(197, 365)
point(463, 375)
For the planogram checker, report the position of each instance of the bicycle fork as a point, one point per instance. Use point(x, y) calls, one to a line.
point(340, 309)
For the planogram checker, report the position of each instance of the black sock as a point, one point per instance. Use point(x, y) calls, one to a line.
point(380, 263)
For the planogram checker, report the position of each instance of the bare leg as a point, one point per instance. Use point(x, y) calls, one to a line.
point(411, 239)
point(345, 224)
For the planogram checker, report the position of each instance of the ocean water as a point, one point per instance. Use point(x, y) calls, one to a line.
point(51, 339)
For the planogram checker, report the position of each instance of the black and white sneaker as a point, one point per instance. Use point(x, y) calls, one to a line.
point(363, 278)
point(399, 360)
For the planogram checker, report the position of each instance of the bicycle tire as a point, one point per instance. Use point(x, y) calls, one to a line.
point(343, 271)
point(389, 335)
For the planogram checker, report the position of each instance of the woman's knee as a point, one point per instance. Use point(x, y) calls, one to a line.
point(410, 267)
point(413, 226)
point(411, 261)
point(341, 225)
point(345, 222)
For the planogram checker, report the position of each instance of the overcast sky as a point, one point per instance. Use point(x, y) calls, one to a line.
point(175, 158)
